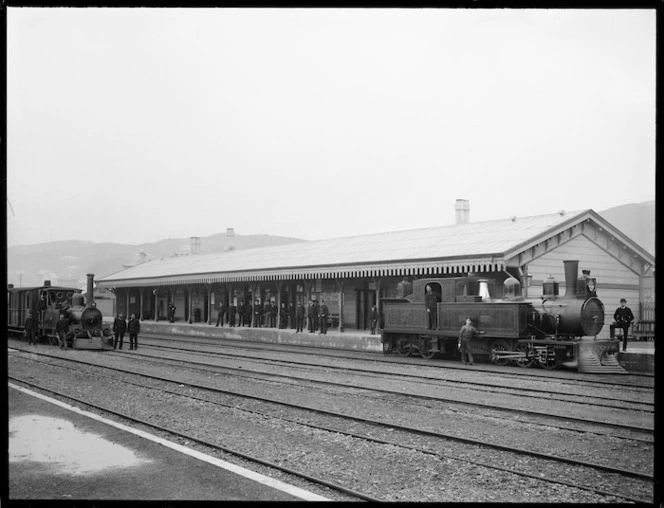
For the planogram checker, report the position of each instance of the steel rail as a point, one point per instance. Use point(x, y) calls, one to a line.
point(371, 439)
point(242, 372)
point(419, 396)
point(600, 467)
point(230, 451)
point(518, 373)
point(505, 389)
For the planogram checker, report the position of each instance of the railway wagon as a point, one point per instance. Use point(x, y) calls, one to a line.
point(547, 331)
point(46, 303)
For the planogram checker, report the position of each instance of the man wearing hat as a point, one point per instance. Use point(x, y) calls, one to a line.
point(119, 330)
point(623, 317)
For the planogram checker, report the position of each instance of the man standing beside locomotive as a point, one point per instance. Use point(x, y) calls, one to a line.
point(31, 329)
point(431, 303)
point(133, 327)
point(119, 330)
point(623, 317)
point(61, 329)
point(465, 335)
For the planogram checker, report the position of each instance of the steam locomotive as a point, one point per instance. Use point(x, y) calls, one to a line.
point(545, 331)
point(86, 328)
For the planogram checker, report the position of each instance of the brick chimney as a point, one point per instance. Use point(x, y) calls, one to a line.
point(195, 245)
point(462, 209)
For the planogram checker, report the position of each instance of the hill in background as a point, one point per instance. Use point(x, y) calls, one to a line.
point(68, 262)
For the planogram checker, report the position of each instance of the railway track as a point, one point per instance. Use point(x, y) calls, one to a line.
point(423, 393)
point(613, 471)
point(441, 376)
point(635, 381)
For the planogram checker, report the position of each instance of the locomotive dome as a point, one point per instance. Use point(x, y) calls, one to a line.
point(512, 288)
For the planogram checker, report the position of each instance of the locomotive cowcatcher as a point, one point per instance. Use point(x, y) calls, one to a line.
point(548, 331)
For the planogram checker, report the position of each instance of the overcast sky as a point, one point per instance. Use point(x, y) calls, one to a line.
point(136, 125)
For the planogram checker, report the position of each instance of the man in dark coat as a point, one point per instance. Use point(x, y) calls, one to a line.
point(257, 314)
point(274, 310)
point(231, 314)
point(119, 330)
point(283, 316)
point(431, 304)
point(41, 307)
point(623, 317)
point(222, 313)
point(61, 330)
point(373, 318)
point(240, 313)
point(171, 312)
point(323, 313)
point(134, 328)
point(291, 315)
point(310, 316)
point(299, 317)
point(247, 314)
point(31, 329)
point(316, 311)
point(267, 310)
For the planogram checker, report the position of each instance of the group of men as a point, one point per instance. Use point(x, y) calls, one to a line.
point(121, 326)
point(267, 315)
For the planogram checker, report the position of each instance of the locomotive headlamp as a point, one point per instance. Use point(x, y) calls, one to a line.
point(590, 284)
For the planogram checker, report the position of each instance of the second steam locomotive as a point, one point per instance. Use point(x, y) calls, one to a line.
point(542, 331)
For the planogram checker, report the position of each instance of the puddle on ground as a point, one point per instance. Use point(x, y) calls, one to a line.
point(56, 441)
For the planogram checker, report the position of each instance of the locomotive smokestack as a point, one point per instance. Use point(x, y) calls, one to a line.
point(91, 294)
point(571, 274)
point(462, 209)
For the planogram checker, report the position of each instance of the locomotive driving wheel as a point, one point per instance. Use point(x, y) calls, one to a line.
point(500, 345)
point(523, 362)
point(403, 347)
point(551, 362)
point(425, 351)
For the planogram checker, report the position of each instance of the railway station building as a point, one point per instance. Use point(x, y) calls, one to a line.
point(351, 274)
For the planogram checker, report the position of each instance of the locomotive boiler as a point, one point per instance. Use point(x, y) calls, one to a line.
point(544, 331)
point(86, 327)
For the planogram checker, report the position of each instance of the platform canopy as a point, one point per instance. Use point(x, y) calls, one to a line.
point(473, 247)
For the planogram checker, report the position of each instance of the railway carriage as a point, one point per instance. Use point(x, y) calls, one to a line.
point(547, 331)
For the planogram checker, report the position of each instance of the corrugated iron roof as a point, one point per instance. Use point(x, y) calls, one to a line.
point(483, 241)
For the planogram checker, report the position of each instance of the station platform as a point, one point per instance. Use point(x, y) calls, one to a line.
point(59, 452)
point(639, 357)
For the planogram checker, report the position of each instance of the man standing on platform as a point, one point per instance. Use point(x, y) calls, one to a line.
point(171, 312)
point(373, 317)
point(231, 314)
point(299, 317)
point(222, 313)
point(323, 313)
point(623, 317)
